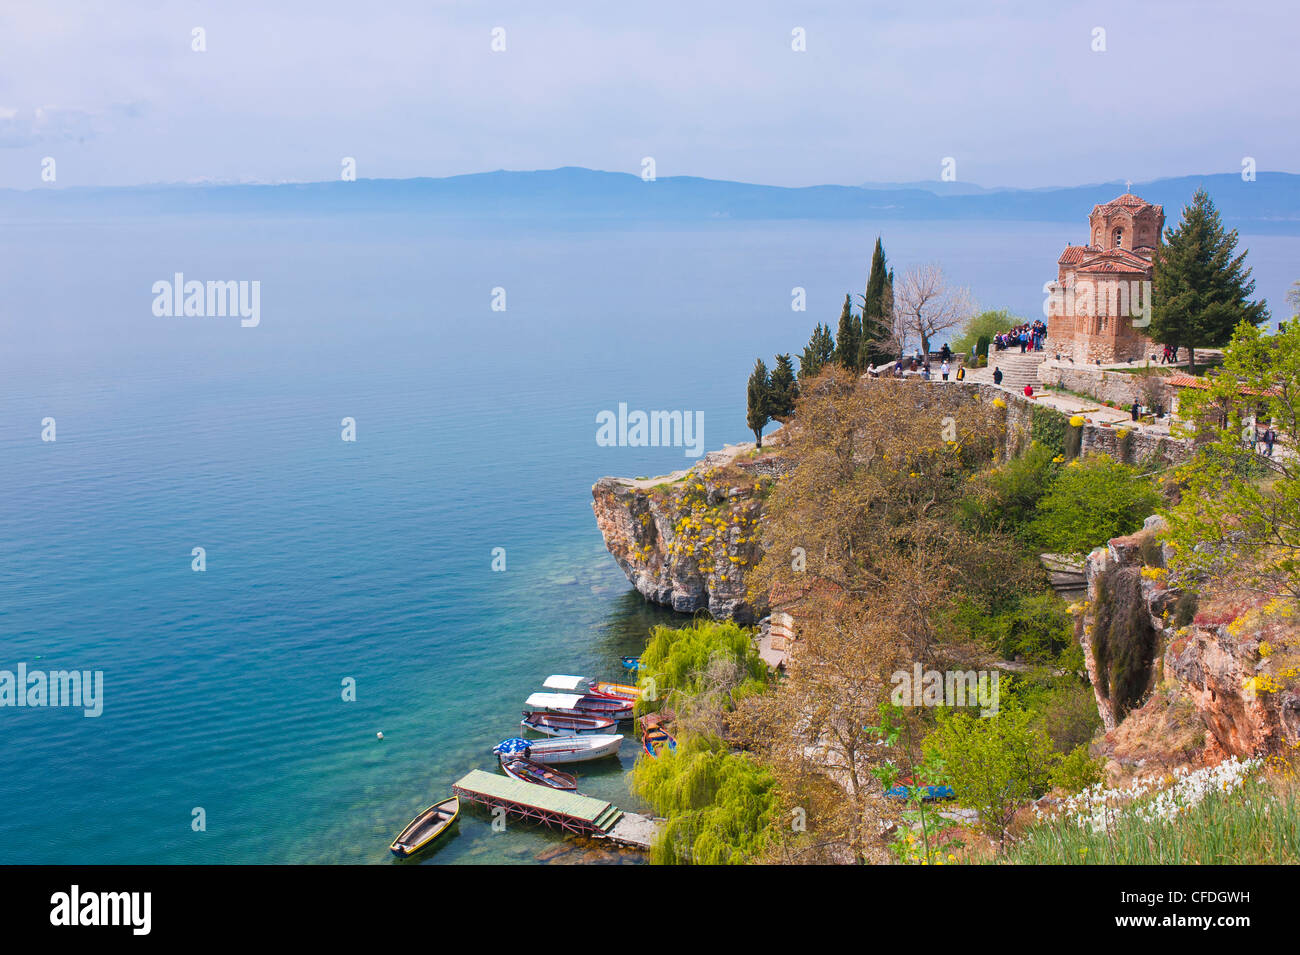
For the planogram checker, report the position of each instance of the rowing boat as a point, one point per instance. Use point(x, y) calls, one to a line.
point(530, 771)
point(654, 739)
point(562, 749)
point(603, 688)
point(574, 704)
point(563, 724)
point(426, 827)
point(631, 663)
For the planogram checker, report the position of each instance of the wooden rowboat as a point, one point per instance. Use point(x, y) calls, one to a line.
point(616, 691)
point(530, 771)
point(654, 739)
point(426, 827)
point(563, 724)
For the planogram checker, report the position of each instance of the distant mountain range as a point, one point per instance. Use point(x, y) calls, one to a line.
point(1271, 204)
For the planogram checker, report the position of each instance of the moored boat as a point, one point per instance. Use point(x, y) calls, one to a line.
point(654, 739)
point(574, 704)
point(631, 663)
point(561, 749)
point(603, 688)
point(426, 827)
point(564, 724)
point(518, 766)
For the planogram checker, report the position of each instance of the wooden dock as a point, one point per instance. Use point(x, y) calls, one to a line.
point(556, 808)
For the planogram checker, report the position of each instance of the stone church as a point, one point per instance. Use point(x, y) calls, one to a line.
point(1104, 288)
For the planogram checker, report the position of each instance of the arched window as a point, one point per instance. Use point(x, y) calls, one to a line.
point(1119, 238)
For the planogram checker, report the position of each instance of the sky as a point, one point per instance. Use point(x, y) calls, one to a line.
point(1013, 93)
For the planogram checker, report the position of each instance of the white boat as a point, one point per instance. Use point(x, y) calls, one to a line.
point(564, 724)
point(562, 749)
point(575, 704)
point(581, 684)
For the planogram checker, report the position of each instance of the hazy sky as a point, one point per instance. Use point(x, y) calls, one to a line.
point(1012, 91)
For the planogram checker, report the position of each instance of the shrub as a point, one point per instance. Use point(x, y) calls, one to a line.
point(1093, 500)
point(1006, 498)
point(993, 764)
point(1077, 770)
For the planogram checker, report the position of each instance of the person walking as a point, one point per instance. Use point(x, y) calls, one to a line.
point(997, 376)
point(1269, 437)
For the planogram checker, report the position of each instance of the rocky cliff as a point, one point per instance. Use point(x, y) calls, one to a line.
point(685, 540)
point(1181, 680)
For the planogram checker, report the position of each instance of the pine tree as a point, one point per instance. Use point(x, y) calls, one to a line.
point(759, 395)
point(784, 389)
point(818, 353)
point(876, 346)
point(848, 339)
point(1201, 291)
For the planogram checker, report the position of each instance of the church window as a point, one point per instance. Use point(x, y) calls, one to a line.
point(1119, 238)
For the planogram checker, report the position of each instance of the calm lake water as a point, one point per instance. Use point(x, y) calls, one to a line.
point(371, 560)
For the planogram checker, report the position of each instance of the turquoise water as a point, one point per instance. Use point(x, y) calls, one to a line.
point(370, 560)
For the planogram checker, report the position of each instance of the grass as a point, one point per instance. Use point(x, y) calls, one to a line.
point(1256, 824)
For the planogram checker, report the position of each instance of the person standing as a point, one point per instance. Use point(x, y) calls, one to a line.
point(997, 376)
point(1269, 437)
point(943, 369)
point(1134, 410)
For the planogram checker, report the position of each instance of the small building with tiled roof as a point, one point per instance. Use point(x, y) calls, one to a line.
point(1102, 296)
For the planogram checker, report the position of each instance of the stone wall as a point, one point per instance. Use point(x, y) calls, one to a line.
point(1114, 387)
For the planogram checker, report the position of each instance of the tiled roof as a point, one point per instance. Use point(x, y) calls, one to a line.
point(1127, 201)
point(1115, 260)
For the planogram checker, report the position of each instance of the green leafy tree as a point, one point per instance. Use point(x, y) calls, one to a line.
point(993, 764)
point(785, 390)
point(819, 352)
point(848, 337)
point(1092, 500)
point(1235, 515)
point(985, 325)
point(758, 400)
point(1202, 289)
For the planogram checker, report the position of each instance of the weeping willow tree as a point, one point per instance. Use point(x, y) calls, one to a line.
point(721, 807)
point(700, 671)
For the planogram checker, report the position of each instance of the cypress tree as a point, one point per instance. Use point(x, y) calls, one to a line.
point(877, 312)
point(848, 339)
point(759, 399)
point(1201, 290)
point(784, 389)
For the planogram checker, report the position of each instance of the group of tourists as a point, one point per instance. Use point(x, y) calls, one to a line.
point(1267, 438)
point(1029, 336)
point(1170, 355)
point(919, 364)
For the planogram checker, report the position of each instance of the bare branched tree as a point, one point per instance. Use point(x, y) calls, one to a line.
point(925, 305)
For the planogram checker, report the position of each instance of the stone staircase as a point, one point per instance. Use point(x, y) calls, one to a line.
point(1017, 370)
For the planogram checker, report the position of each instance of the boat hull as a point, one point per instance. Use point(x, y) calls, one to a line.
point(579, 749)
point(559, 724)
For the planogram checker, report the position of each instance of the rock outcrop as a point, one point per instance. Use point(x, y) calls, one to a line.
point(685, 540)
point(1223, 671)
